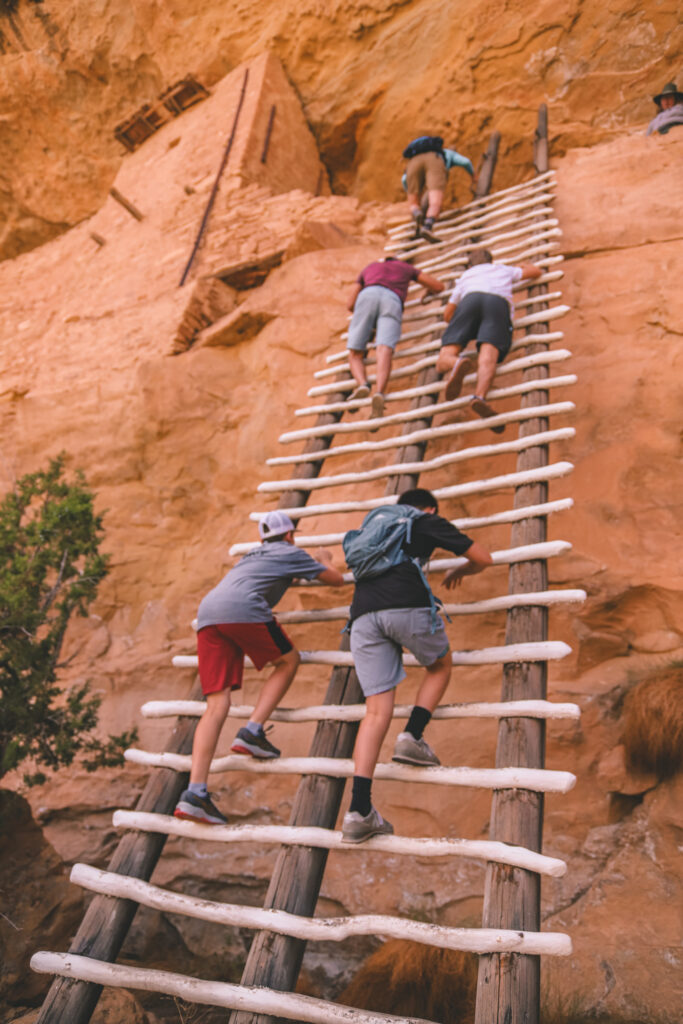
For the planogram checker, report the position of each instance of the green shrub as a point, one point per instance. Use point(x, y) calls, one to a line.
point(50, 567)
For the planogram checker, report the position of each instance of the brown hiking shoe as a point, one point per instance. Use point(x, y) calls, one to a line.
point(484, 410)
point(456, 377)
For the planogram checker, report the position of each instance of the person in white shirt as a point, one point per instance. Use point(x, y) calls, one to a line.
point(480, 309)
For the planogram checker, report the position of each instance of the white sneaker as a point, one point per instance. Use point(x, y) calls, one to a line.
point(408, 750)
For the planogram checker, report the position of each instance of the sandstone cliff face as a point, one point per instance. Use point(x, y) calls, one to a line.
point(370, 77)
point(170, 399)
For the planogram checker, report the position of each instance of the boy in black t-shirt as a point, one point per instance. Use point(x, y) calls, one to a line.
point(389, 612)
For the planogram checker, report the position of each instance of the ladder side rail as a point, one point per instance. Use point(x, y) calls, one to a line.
point(106, 922)
point(508, 988)
point(274, 961)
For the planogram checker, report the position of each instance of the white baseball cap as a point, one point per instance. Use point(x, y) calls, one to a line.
point(274, 524)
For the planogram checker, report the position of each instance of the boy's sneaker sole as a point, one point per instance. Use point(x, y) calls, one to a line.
point(256, 746)
point(202, 811)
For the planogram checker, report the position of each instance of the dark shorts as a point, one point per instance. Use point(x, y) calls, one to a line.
point(482, 317)
point(221, 650)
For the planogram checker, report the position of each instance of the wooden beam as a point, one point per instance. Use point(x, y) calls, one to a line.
point(334, 929)
point(355, 712)
point(107, 920)
point(509, 985)
point(488, 166)
point(275, 960)
point(214, 190)
point(126, 204)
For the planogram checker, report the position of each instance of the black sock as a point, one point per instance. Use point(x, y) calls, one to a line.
point(418, 721)
point(360, 795)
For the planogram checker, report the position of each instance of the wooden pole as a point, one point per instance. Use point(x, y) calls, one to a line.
point(126, 204)
point(214, 191)
point(482, 186)
point(508, 989)
point(107, 920)
point(264, 154)
point(274, 961)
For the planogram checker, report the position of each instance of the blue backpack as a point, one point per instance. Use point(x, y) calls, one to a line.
point(379, 545)
point(423, 144)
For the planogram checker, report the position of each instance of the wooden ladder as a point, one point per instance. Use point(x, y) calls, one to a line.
point(517, 224)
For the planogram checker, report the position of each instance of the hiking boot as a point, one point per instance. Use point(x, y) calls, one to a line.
point(191, 807)
point(356, 828)
point(484, 410)
point(426, 230)
point(378, 401)
point(362, 391)
point(408, 750)
point(246, 742)
point(456, 377)
point(418, 217)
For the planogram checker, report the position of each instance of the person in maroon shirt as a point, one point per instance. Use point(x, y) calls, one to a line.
point(377, 305)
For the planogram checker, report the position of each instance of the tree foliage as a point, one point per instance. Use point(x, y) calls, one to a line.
point(50, 567)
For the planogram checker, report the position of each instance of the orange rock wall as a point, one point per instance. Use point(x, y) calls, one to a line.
point(174, 445)
point(369, 78)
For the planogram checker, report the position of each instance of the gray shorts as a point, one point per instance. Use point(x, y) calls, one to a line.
point(377, 310)
point(378, 637)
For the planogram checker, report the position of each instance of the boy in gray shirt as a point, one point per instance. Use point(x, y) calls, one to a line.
point(236, 619)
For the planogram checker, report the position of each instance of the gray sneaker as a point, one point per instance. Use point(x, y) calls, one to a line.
point(356, 828)
point(361, 391)
point(408, 750)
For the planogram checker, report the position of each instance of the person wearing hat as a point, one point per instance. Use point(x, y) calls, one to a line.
point(670, 106)
point(235, 620)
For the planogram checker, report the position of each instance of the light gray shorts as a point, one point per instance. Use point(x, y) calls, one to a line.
point(377, 310)
point(378, 637)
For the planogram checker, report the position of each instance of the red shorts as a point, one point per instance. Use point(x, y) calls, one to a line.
point(221, 650)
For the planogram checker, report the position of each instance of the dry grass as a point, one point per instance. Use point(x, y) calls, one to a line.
point(653, 724)
point(410, 979)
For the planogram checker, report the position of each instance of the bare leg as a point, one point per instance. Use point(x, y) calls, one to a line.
point(207, 733)
point(434, 683)
point(486, 368)
point(276, 686)
point(371, 732)
point(414, 203)
point(446, 358)
point(435, 202)
point(384, 355)
point(357, 365)
point(456, 366)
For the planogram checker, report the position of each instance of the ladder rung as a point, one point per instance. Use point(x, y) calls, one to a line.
point(273, 1002)
point(537, 780)
point(543, 709)
point(402, 440)
point(407, 415)
point(270, 1002)
point(513, 515)
point(530, 476)
point(519, 444)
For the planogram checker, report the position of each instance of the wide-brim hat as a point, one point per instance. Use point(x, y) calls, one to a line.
point(275, 524)
point(670, 89)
